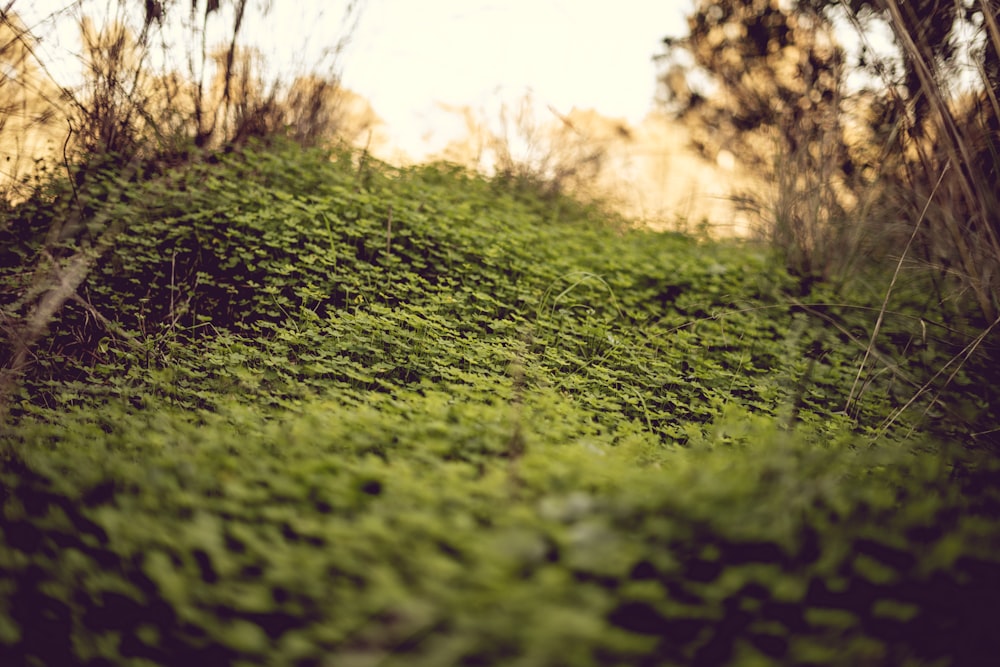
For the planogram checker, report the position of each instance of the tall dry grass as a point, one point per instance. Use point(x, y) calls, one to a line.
point(548, 153)
point(957, 145)
point(855, 173)
point(130, 116)
point(889, 191)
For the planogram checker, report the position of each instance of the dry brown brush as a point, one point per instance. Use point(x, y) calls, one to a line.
point(130, 116)
point(855, 168)
point(882, 159)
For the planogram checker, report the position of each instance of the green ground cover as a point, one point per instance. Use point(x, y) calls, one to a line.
point(308, 412)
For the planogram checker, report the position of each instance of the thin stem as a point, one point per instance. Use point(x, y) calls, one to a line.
point(888, 292)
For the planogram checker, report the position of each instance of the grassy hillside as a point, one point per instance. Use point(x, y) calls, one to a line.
point(315, 412)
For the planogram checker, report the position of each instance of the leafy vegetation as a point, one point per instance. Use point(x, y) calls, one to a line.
point(310, 410)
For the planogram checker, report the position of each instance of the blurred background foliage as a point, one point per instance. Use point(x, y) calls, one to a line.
point(885, 146)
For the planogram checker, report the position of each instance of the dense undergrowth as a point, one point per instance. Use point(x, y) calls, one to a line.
point(314, 412)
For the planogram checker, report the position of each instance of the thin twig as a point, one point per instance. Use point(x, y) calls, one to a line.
point(388, 234)
point(888, 292)
point(964, 355)
point(110, 326)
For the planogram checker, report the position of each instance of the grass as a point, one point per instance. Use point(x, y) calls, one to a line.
point(306, 412)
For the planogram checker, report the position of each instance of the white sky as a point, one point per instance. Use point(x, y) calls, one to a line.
point(406, 55)
point(595, 53)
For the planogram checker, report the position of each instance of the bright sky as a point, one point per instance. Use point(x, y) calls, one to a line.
point(406, 55)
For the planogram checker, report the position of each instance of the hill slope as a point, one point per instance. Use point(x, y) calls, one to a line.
point(315, 412)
